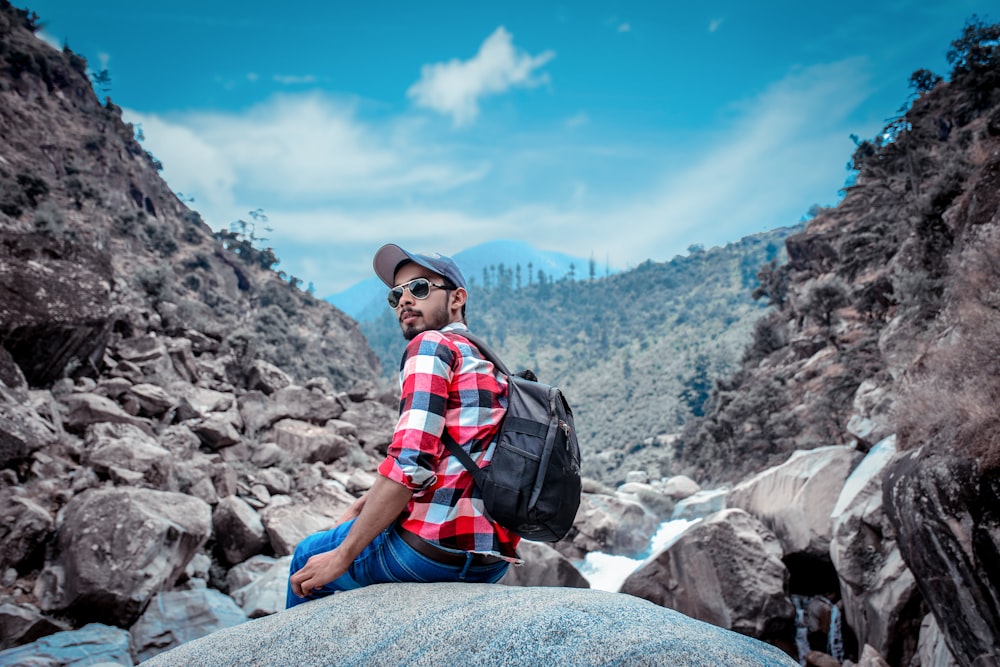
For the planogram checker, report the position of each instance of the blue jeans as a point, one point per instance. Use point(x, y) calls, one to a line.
point(385, 560)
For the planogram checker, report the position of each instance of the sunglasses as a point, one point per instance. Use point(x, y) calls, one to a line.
point(420, 288)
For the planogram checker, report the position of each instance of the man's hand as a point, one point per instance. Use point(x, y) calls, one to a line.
point(376, 510)
point(318, 571)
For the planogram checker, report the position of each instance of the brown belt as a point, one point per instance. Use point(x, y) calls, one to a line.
point(425, 548)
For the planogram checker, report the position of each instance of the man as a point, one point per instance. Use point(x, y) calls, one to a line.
point(422, 520)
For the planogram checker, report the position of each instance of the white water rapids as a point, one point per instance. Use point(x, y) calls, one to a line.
point(607, 573)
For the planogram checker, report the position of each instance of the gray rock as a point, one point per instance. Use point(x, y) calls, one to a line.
point(725, 570)
point(679, 487)
point(22, 431)
point(945, 513)
point(308, 442)
point(113, 448)
point(215, 431)
point(795, 499)
point(55, 303)
point(878, 589)
point(700, 504)
point(266, 377)
point(261, 411)
point(24, 527)
point(93, 644)
point(428, 624)
point(82, 410)
point(609, 524)
point(239, 532)
point(288, 525)
point(141, 349)
point(260, 584)
point(21, 624)
point(176, 617)
point(11, 377)
point(931, 646)
point(119, 547)
point(543, 566)
point(375, 423)
point(153, 400)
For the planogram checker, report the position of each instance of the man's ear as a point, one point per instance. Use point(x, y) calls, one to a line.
point(458, 298)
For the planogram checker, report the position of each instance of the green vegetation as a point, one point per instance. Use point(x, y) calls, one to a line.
point(636, 352)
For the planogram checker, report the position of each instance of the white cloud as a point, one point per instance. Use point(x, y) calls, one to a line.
point(302, 148)
point(714, 25)
point(625, 27)
point(454, 88)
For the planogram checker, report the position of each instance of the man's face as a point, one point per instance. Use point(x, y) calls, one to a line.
point(418, 315)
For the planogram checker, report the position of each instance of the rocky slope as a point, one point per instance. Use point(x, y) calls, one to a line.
point(886, 325)
point(94, 244)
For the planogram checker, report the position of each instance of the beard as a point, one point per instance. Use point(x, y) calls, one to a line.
point(429, 320)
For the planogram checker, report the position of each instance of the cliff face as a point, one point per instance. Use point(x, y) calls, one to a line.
point(884, 318)
point(94, 244)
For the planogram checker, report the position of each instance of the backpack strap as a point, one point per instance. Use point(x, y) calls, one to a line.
point(484, 349)
point(449, 442)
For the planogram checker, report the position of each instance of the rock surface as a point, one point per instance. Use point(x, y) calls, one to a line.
point(726, 570)
point(947, 519)
point(527, 626)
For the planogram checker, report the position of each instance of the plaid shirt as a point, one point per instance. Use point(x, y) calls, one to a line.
point(447, 386)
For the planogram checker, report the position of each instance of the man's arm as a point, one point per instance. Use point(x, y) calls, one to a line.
point(384, 502)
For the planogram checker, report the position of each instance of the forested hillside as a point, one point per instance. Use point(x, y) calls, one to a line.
point(635, 352)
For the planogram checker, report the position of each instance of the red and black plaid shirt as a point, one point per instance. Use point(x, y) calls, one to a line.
point(447, 385)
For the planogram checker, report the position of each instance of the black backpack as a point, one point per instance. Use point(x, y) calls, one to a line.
point(532, 484)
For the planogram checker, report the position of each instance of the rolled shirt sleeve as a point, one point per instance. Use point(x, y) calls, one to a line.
point(427, 372)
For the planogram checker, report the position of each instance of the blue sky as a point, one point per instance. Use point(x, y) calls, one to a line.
point(621, 131)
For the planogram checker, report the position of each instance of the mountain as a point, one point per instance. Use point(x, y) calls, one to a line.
point(365, 301)
point(635, 352)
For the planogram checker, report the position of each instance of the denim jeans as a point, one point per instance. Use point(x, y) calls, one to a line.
point(387, 559)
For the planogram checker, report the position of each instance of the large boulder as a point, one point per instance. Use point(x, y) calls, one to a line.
point(700, 504)
point(85, 409)
point(128, 453)
point(55, 305)
point(946, 513)
point(24, 527)
point(288, 523)
point(543, 566)
point(239, 532)
point(93, 644)
point(795, 499)
point(176, 617)
point(24, 623)
point(881, 599)
point(611, 525)
point(118, 547)
point(259, 585)
point(22, 432)
point(725, 570)
point(428, 624)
